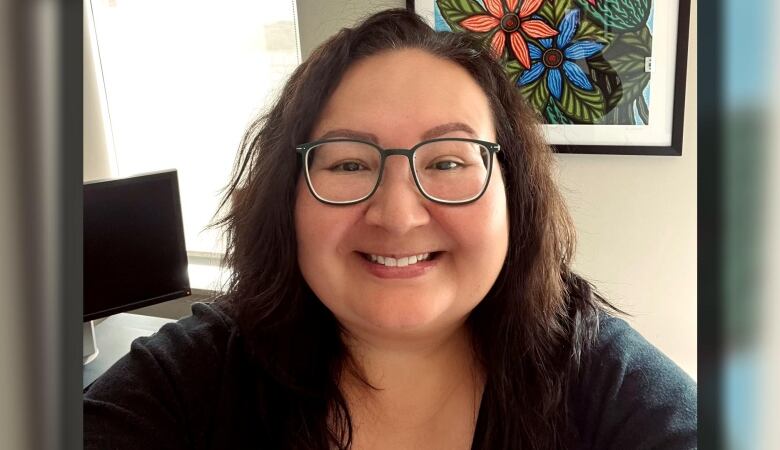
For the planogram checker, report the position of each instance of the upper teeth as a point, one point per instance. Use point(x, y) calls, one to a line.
point(399, 262)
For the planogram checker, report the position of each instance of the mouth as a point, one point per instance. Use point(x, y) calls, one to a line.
point(399, 261)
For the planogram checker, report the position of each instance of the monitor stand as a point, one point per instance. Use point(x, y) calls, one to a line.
point(89, 345)
point(116, 334)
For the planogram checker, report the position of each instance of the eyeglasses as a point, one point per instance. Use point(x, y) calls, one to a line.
point(451, 171)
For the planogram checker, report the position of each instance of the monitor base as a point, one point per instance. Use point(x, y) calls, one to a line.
point(89, 345)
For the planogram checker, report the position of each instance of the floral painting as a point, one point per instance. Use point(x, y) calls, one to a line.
point(575, 61)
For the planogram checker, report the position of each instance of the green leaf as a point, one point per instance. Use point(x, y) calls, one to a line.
point(607, 80)
point(590, 31)
point(554, 115)
point(623, 63)
point(642, 109)
point(641, 39)
point(537, 94)
point(618, 15)
point(554, 10)
point(513, 70)
point(454, 11)
point(581, 105)
point(633, 87)
point(629, 63)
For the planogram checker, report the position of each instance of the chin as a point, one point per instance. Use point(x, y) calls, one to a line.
point(403, 318)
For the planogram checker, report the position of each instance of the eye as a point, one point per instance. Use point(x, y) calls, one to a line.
point(445, 165)
point(348, 166)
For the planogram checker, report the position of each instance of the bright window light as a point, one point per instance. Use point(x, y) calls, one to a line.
point(183, 79)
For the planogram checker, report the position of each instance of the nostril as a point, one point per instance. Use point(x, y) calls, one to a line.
point(397, 208)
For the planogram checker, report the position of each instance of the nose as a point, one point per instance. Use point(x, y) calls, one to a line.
point(397, 205)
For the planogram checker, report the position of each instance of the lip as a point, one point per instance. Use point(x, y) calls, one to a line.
point(415, 270)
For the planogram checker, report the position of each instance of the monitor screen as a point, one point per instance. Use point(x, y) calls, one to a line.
point(134, 252)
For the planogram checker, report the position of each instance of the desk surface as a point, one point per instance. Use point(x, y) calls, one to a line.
point(113, 337)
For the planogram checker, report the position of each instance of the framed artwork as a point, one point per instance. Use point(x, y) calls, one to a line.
point(606, 76)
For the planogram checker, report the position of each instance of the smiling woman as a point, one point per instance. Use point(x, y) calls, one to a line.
point(436, 296)
point(401, 278)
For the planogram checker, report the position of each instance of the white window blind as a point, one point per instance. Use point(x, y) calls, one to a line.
point(182, 81)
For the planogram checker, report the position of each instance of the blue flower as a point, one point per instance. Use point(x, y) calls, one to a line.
point(559, 56)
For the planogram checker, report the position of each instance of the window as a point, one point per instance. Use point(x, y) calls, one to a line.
point(182, 81)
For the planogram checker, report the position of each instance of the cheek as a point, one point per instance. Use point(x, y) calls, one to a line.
point(484, 225)
point(491, 224)
point(480, 234)
point(497, 207)
point(320, 231)
point(306, 215)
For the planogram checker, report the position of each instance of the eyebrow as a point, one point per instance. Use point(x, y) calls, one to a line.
point(430, 134)
point(350, 134)
point(448, 128)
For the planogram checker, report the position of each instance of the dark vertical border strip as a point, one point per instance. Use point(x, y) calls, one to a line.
point(710, 225)
point(410, 5)
point(47, 100)
point(25, 105)
point(71, 175)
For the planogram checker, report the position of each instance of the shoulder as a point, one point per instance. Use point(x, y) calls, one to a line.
point(629, 394)
point(209, 329)
point(624, 351)
point(622, 354)
point(163, 392)
point(201, 339)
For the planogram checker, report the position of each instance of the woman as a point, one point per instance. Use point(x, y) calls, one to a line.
point(400, 279)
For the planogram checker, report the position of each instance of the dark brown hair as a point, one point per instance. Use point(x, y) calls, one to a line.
point(531, 329)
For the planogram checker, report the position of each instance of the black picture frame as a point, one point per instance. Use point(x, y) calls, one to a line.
point(678, 101)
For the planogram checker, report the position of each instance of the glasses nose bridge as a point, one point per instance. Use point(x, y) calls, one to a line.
point(388, 152)
point(408, 155)
point(405, 152)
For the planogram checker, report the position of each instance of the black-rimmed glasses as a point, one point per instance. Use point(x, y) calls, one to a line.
point(451, 171)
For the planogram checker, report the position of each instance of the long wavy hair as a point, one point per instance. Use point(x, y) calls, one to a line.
point(529, 331)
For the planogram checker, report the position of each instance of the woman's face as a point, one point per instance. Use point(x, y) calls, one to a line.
point(399, 98)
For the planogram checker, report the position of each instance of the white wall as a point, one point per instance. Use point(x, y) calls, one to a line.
point(320, 19)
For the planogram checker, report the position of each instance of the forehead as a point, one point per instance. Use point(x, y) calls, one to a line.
point(400, 94)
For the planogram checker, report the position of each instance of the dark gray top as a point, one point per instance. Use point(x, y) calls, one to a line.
point(187, 387)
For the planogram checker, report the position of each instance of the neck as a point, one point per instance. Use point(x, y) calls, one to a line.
point(412, 380)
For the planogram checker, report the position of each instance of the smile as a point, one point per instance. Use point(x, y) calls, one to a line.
point(389, 261)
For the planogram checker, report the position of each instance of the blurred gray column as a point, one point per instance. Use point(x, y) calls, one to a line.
point(40, 221)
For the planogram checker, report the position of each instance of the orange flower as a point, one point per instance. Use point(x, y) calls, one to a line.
point(506, 18)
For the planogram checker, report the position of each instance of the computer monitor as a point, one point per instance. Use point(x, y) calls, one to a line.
point(134, 249)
